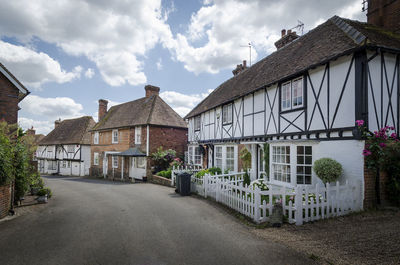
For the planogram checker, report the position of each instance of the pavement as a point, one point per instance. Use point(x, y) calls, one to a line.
point(89, 221)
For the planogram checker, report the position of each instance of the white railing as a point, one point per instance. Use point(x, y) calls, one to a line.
point(188, 168)
point(300, 204)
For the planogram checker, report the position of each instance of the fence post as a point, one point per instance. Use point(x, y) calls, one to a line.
point(257, 201)
point(298, 203)
point(205, 183)
point(218, 188)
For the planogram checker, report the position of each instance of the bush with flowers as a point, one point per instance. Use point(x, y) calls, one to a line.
point(163, 158)
point(382, 152)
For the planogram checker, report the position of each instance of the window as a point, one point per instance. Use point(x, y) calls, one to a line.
point(49, 154)
point(138, 134)
point(140, 162)
point(230, 158)
point(292, 94)
point(218, 156)
point(69, 164)
point(52, 165)
point(197, 123)
point(304, 164)
point(115, 136)
point(281, 163)
point(64, 164)
point(195, 155)
point(115, 161)
point(96, 159)
point(70, 148)
point(227, 114)
point(96, 138)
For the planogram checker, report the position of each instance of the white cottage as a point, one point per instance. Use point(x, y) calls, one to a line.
point(66, 149)
point(303, 100)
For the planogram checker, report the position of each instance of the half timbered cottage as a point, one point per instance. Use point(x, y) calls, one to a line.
point(127, 134)
point(303, 100)
point(66, 149)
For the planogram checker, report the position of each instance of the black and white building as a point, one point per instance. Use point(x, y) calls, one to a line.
point(303, 100)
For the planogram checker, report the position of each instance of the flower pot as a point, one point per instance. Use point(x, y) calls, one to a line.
point(42, 199)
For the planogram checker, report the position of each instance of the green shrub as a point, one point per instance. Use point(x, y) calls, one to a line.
point(327, 169)
point(246, 179)
point(165, 174)
point(212, 171)
point(48, 192)
point(245, 155)
point(163, 158)
point(392, 167)
point(6, 156)
point(42, 192)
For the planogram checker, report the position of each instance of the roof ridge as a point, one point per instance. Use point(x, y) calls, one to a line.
point(349, 30)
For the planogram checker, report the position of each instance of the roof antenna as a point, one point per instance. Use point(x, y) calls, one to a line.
point(300, 26)
point(249, 45)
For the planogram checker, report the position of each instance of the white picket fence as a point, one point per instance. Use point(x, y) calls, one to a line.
point(187, 168)
point(301, 204)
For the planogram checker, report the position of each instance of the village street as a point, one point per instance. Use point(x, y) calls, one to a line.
point(100, 222)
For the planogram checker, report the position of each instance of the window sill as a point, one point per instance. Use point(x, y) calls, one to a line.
point(227, 123)
point(292, 110)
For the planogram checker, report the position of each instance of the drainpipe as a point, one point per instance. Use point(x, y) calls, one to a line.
point(147, 141)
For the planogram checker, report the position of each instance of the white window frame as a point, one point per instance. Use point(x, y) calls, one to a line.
point(95, 158)
point(96, 138)
point(227, 114)
point(293, 163)
point(64, 164)
point(224, 157)
point(138, 134)
point(292, 100)
point(114, 161)
point(115, 136)
point(140, 162)
point(304, 160)
point(195, 157)
point(197, 123)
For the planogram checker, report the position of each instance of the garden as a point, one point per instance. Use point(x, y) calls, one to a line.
point(16, 166)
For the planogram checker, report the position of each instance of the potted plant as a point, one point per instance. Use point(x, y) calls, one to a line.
point(44, 194)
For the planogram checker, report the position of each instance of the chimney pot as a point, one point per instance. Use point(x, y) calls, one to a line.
point(57, 122)
point(289, 31)
point(244, 64)
point(151, 90)
point(102, 108)
point(283, 32)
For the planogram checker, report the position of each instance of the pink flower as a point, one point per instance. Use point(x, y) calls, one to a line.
point(360, 123)
point(382, 145)
point(393, 135)
point(366, 152)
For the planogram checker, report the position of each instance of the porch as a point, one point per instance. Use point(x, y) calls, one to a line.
point(129, 164)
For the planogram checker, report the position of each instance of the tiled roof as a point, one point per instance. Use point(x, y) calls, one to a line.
point(335, 37)
point(73, 131)
point(144, 111)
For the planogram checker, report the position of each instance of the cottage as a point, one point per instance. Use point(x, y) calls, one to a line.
point(127, 134)
point(303, 101)
point(11, 93)
point(66, 149)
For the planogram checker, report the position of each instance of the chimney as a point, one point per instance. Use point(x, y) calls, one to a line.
point(57, 122)
point(384, 13)
point(240, 68)
point(102, 108)
point(151, 90)
point(286, 38)
point(30, 132)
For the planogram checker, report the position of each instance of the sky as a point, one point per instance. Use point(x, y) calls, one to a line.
point(70, 54)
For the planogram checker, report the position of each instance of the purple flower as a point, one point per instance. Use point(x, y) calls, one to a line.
point(393, 135)
point(382, 145)
point(360, 123)
point(366, 152)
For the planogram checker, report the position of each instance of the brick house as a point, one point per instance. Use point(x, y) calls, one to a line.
point(66, 149)
point(127, 134)
point(11, 93)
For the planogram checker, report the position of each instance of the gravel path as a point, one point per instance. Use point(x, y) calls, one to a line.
point(364, 238)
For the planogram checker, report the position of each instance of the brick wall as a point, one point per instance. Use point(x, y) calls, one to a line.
point(5, 200)
point(369, 188)
point(8, 100)
point(160, 180)
point(384, 13)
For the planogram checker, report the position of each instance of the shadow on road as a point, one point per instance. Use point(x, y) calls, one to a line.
point(88, 180)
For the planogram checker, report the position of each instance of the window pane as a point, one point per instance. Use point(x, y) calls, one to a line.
point(308, 150)
point(307, 179)
point(300, 159)
point(308, 160)
point(300, 179)
point(300, 149)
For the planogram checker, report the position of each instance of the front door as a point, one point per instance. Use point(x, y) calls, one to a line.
point(137, 167)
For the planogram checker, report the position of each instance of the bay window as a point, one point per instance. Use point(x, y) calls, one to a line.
point(195, 156)
point(225, 157)
point(281, 163)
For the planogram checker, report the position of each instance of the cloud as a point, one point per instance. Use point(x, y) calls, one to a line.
point(33, 68)
point(89, 73)
point(41, 127)
point(52, 108)
point(183, 103)
point(159, 64)
point(115, 35)
point(218, 29)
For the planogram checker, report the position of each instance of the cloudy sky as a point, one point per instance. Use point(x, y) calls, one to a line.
point(71, 53)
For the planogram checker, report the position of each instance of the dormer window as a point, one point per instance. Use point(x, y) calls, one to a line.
point(115, 136)
point(292, 96)
point(227, 114)
point(197, 123)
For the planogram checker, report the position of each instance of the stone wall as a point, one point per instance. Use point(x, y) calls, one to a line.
point(160, 180)
point(5, 200)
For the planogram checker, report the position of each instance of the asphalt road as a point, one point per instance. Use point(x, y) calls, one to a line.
point(99, 222)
